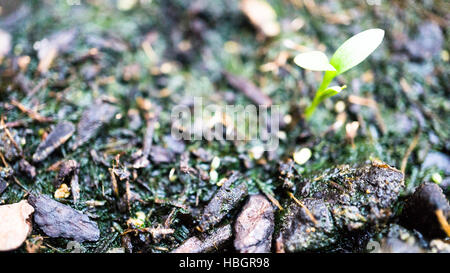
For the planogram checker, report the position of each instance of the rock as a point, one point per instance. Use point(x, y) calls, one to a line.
point(58, 220)
point(420, 211)
point(445, 184)
point(341, 205)
point(440, 160)
point(428, 43)
point(27, 168)
point(59, 135)
point(15, 224)
point(400, 240)
point(159, 154)
point(209, 243)
point(254, 226)
point(176, 146)
point(226, 198)
point(439, 246)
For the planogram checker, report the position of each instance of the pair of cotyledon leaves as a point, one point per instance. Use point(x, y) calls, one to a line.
point(349, 54)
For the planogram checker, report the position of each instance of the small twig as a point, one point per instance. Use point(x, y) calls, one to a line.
point(443, 221)
point(269, 196)
point(17, 123)
point(20, 184)
point(409, 151)
point(8, 134)
point(32, 114)
point(273, 200)
point(4, 160)
point(308, 212)
point(169, 218)
point(40, 85)
point(114, 182)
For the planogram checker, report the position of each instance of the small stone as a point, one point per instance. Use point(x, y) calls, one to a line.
point(159, 154)
point(439, 160)
point(254, 226)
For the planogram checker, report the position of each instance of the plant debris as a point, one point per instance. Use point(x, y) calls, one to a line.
point(248, 89)
point(207, 243)
point(59, 135)
point(229, 195)
point(58, 220)
point(15, 224)
point(92, 120)
point(27, 168)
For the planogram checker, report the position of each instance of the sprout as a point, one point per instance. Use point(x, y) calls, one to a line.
point(349, 54)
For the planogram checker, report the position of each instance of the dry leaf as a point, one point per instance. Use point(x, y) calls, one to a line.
point(14, 225)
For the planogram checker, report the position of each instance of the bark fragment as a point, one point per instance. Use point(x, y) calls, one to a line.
point(208, 243)
point(59, 135)
point(226, 198)
point(58, 220)
point(92, 120)
point(248, 89)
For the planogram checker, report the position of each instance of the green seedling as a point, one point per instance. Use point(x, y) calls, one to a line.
point(349, 54)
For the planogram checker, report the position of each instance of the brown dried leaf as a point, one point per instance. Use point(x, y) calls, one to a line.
point(14, 224)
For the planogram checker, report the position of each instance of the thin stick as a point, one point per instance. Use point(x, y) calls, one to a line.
point(308, 212)
point(32, 114)
point(443, 221)
point(409, 151)
point(273, 200)
point(8, 134)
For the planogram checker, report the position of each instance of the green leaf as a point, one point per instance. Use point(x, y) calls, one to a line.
point(313, 60)
point(331, 91)
point(356, 49)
